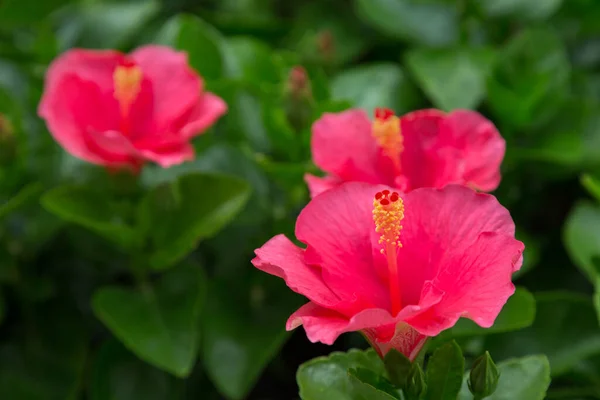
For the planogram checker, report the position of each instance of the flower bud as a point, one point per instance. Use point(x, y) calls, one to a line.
point(483, 378)
point(415, 383)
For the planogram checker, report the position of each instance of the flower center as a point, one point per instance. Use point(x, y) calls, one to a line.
point(388, 213)
point(386, 131)
point(127, 79)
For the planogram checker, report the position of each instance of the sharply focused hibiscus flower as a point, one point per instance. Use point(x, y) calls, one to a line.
point(398, 268)
point(426, 148)
point(121, 110)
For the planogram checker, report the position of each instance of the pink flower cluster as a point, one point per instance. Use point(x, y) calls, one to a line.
point(398, 242)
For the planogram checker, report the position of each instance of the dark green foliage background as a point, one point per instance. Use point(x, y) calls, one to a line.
point(104, 293)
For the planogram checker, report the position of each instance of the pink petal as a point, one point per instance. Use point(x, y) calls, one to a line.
point(114, 149)
point(420, 130)
point(89, 65)
point(476, 284)
point(440, 225)
point(76, 109)
point(336, 226)
point(200, 117)
point(317, 185)
point(481, 147)
point(280, 257)
point(342, 145)
point(325, 325)
point(167, 156)
point(176, 87)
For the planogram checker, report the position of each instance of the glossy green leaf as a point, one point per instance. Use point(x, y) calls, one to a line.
point(524, 378)
point(565, 330)
point(93, 210)
point(243, 329)
point(158, 322)
point(368, 385)
point(430, 23)
point(397, 366)
point(375, 85)
point(444, 372)
point(119, 375)
point(328, 378)
point(581, 237)
point(199, 40)
point(191, 208)
point(452, 78)
point(517, 313)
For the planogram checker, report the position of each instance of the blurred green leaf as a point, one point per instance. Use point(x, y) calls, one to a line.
point(524, 378)
point(20, 12)
point(243, 329)
point(327, 35)
point(444, 372)
point(581, 236)
point(119, 375)
point(375, 85)
point(93, 210)
point(201, 41)
point(253, 61)
point(430, 23)
point(565, 329)
point(158, 322)
point(48, 362)
point(530, 80)
point(592, 185)
point(103, 25)
point(367, 384)
point(517, 313)
point(24, 195)
point(328, 378)
point(520, 9)
point(452, 78)
point(187, 210)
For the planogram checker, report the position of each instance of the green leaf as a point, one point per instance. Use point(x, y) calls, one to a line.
point(368, 385)
point(517, 313)
point(397, 366)
point(202, 42)
point(104, 25)
point(524, 378)
point(592, 184)
point(252, 61)
point(581, 236)
point(187, 210)
point(243, 329)
point(159, 322)
point(375, 85)
point(93, 210)
point(530, 79)
point(431, 23)
point(328, 378)
point(444, 372)
point(565, 329)
point(520, 9)
point(119, 375)
point(452, 78)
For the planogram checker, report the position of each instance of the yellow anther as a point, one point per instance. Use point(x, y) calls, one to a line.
point(388, 213)
point(387, 133)
point(127, 81)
